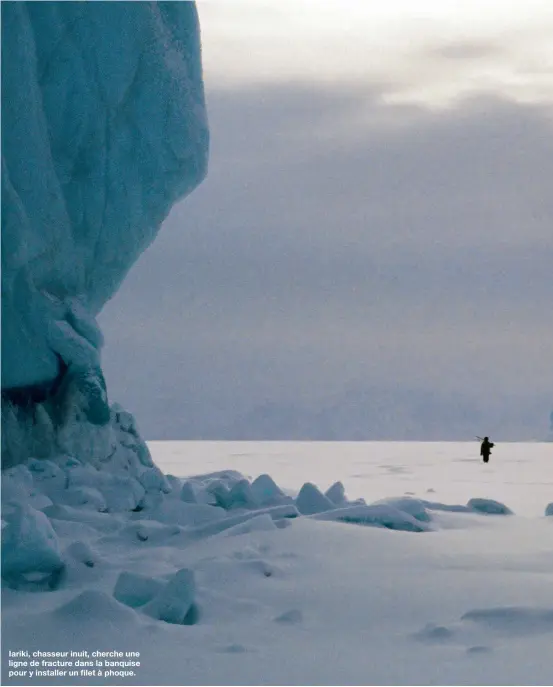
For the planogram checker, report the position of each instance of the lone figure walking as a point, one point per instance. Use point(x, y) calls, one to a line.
point(486, 449)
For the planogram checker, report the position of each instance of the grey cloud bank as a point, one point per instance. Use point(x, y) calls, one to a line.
point(348, 270)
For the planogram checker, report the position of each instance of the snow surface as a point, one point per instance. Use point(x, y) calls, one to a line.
point(450, 471)
point(103, 107)
point(415, 574)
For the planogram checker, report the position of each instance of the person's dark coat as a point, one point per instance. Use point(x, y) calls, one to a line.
point(486, 449)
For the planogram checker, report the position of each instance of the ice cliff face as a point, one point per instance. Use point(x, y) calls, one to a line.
point(103, 129)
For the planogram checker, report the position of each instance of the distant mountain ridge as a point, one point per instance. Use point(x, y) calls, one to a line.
point(356, 414)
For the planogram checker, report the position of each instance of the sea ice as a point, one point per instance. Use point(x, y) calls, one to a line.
point(121, 492)
point(377, 515)
point(241, 495)
point(84, 497)
point(336, 493)
point(489, 506)
point(414, 507)
point(174, 603)
point(293, 597)
point(31, 556)
point(310, 500)
point(258, 523)
point(177, 512)
point(266, 491)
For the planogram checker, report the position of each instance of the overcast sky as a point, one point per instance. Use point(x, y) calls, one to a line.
point(370, 254)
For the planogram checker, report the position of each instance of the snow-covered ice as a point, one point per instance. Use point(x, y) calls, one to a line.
point(310, 500)
point(175, 601)
point(415, 573)
point(31, 556)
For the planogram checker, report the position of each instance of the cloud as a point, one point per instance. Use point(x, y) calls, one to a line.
point(340, 243)
point(431, 53)
point(468, 50)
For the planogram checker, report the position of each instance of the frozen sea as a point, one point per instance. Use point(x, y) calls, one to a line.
point(520, 474)
point(419, 590)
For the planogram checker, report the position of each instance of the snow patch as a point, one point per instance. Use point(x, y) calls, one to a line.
point(413, 507)
point(154, 481)
point(377, 516)
point(121, 492)
point(277, 513)
point(82, 552)
point(85, 497)
point(136, 590)
point(18, 486)
point(259, 523)
point(181, 513)
point(93, 606)
point(31, 555)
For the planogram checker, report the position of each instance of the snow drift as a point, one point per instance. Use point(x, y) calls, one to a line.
point(221, 578)
point(45, 499)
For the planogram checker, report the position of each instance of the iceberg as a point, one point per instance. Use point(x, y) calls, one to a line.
point(104, 128)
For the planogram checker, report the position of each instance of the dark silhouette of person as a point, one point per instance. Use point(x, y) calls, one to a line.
point(486, 449)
